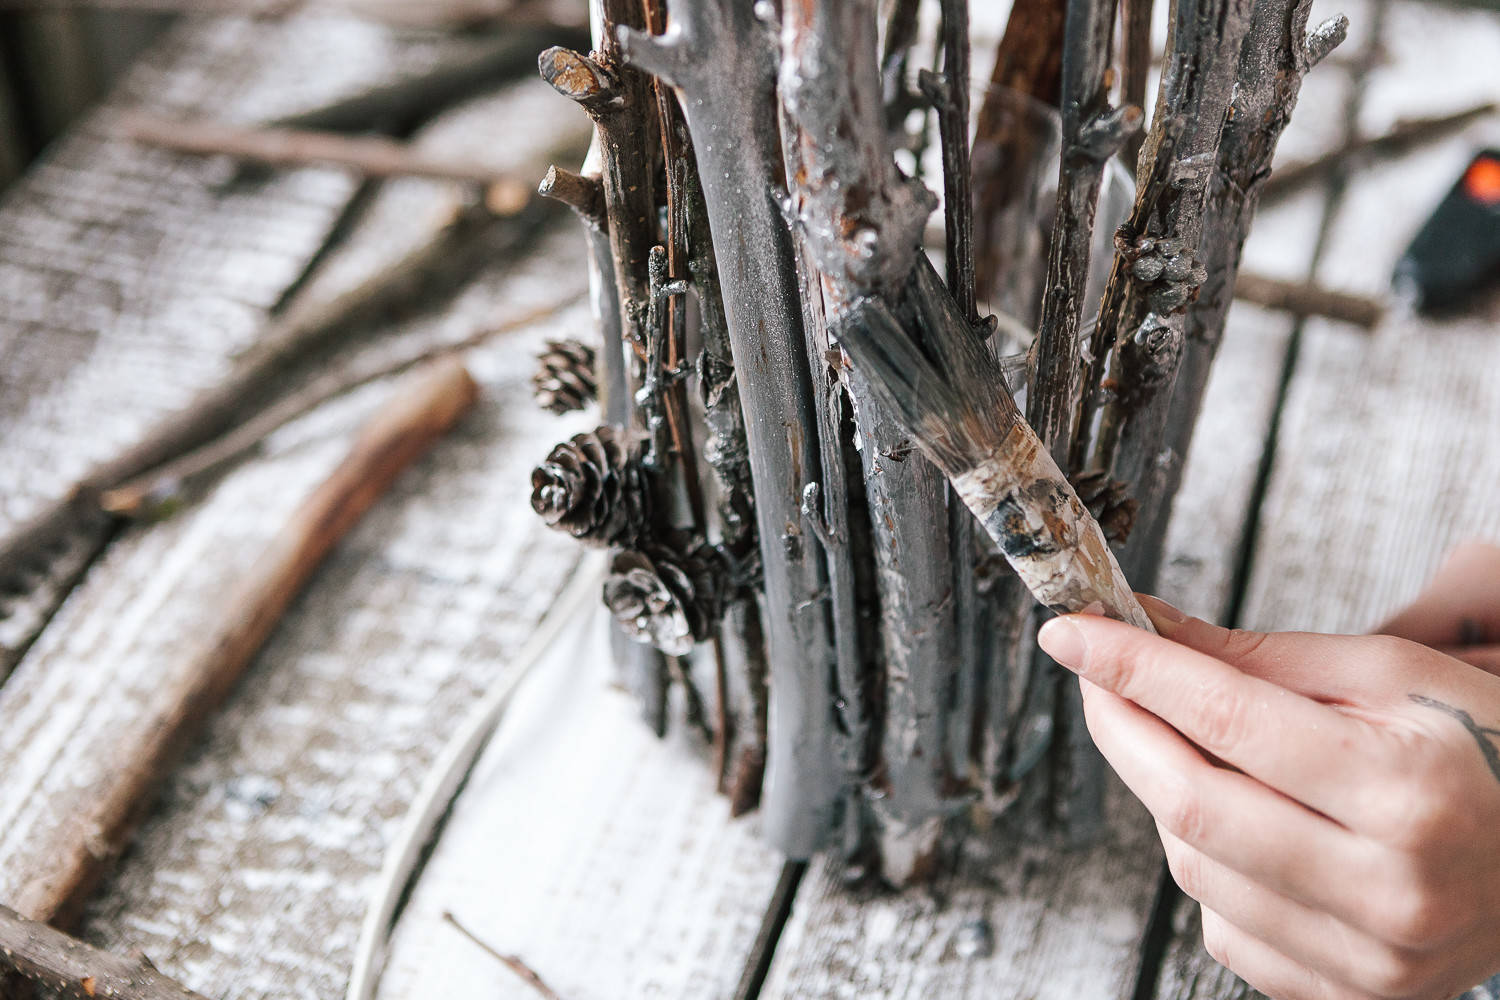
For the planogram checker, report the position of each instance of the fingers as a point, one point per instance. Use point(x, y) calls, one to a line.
point(1262, 966)
point(1363, 670)
point(1342, 954)
point(1460, 607)
point(1230, 817)
point(1265, 730)
point(1486, 658)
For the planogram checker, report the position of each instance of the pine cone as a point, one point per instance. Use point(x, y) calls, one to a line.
point(593, 488)
point(1110, 503)
point(666, 598)
point(564, 380)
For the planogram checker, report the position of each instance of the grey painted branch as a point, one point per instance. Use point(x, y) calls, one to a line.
point(51, 958)
point(722, 61)
point(1154, 274)
point(1092, 133)
point(835, 512)
point(846, 183)
point(1277, 53)
point(953, 133)
point(743, 667)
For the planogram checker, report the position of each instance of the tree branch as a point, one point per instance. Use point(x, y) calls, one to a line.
point(1156, 270)
point(721, 60)
point(79, 970)
point(98, 830)
point(370, 156)
point(1404, 136)
point(1275, 56)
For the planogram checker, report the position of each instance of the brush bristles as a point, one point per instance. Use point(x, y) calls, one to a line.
point(946, 389)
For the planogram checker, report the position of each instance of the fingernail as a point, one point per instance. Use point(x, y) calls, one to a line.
point(1162, 614)
point(1064, 642)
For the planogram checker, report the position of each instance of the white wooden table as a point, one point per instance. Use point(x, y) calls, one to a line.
point(1332, 470)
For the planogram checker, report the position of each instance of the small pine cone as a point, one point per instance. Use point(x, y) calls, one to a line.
point(564, 379)
point(667, 598)
point(593, 487)
point(1110, 503)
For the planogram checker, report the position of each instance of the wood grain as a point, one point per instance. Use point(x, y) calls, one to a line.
point(1385, 456)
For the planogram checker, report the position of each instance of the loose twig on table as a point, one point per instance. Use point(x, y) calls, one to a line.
point(371, 156)
point(512, 962)
point(1302, 298)
point(99, 827)
point(1404, 136)
point(160, 490)
point(51, 958)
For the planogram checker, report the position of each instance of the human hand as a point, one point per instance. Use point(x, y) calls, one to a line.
point(1332, 802)
point(1459, 612)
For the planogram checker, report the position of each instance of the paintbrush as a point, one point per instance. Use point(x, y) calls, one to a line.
point(931, 370)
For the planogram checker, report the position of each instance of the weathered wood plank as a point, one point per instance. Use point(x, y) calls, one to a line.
point(250, 879)
point(1386, 453)
point(129, 277)
point(599, 855)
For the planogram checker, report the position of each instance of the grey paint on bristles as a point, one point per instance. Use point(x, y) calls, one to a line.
point(950, 395)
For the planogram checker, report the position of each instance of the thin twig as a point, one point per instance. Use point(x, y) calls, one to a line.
point(309, 328)
point(371, 156)
point(1092, 133)
point(512, 962)
point(1303, 298)
point(78, 969)
point(164, 487)
point(450, 770)
point(1404, 136)
point(1135, 67)
point(429, 13)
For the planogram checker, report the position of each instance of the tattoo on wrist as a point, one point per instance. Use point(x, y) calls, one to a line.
point(1485, 737)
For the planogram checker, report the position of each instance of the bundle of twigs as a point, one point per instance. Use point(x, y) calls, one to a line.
point(798, 521)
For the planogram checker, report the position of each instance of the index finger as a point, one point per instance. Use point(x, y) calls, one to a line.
point(1293, 744)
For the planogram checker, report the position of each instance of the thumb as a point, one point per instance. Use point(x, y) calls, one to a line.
point(1355, 669)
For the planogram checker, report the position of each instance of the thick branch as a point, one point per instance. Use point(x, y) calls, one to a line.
point(845, 181)
point(1156, 271)
point(1276, 55)
point(722, 62)
point(99, 828)
point(1092, 132)
point(79, 970)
